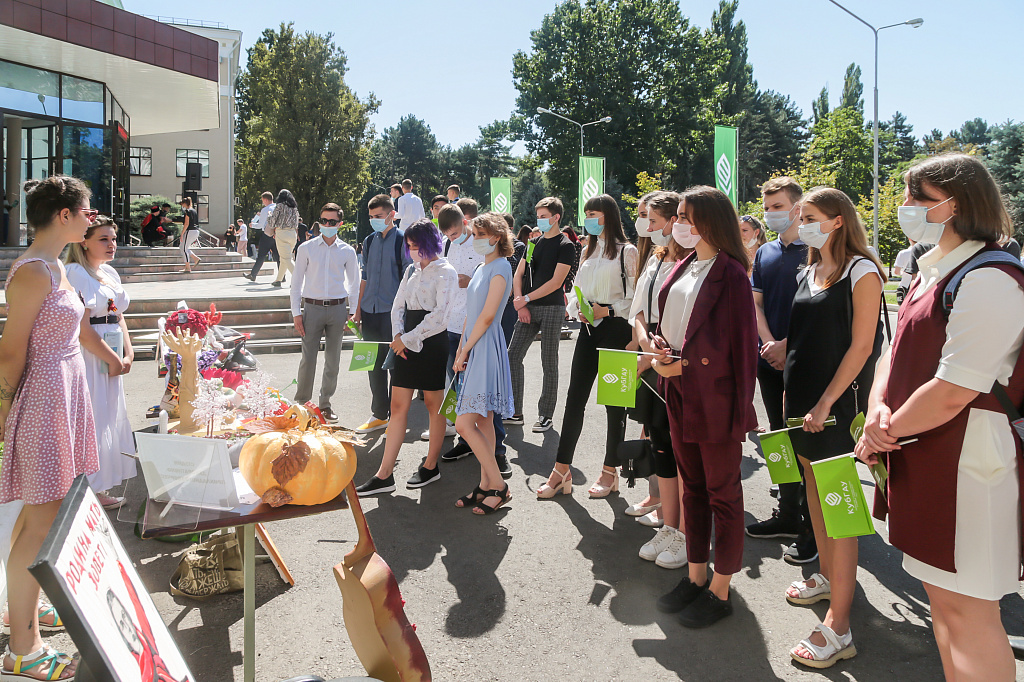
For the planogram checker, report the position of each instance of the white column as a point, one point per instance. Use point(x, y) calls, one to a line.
point(14, 178)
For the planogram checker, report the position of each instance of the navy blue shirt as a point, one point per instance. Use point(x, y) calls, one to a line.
point(774, 277)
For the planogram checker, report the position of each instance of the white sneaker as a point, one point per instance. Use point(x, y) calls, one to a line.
point(656, 545)
point(651, 520)
point(449, 432)
point(673, 556)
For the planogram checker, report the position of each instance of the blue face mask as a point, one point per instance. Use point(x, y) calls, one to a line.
point(543, 223)
point(378, 224)
point(329, 232)
point(462, 239)
point(592, 226)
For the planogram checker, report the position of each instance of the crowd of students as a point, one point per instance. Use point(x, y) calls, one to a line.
point(710, 307)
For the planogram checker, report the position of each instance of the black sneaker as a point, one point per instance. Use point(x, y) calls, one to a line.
point(775, 527)
point(706, 609)
point(328, 414)
point(542, 425)
point(803, 551)
point(423, 476)
point(376, 486)
point(681, 596)
point(460, 450)
point(514, 420)
point(276, 284)
point(504, 468)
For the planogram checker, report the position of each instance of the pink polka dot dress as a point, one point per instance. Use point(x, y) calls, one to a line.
point(50, 436)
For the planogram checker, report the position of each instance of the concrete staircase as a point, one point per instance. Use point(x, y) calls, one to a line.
point(162, 264)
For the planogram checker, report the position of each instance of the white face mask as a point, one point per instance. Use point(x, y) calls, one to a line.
point(641, 225)
point(914, 223)
point(659, 238)
point(778, 221)
point(684, 236)
point(750, 242)
point(812, 235)
point(484, 246)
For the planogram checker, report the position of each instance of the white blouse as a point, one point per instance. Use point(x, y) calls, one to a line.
point(681, 297)
point(431, 288)
point(643, 288)
point(854, 270)
point(98, 296)
point(600, 280)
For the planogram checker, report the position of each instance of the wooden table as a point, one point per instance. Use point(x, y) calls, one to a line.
point(245, 516)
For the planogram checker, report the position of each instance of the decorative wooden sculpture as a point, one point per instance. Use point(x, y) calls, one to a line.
point(187, 346)
point(381, 635)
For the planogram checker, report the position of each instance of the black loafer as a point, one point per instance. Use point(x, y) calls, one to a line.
point(460, 450)
point(376, 486)
point(423, 476)
point(504, 468)
point(706, 610)
point(681, 596)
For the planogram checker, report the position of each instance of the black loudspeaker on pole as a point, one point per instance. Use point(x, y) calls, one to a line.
point(194, 176)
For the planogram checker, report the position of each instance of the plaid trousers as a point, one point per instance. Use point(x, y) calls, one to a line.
point(548, 319)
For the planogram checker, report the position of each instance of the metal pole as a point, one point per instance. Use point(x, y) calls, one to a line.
point(874, 233)
point(581, 138)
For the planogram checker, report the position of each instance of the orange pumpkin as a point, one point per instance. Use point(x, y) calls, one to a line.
point(296, 463)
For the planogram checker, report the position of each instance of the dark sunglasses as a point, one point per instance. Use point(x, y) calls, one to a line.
point(329, 222)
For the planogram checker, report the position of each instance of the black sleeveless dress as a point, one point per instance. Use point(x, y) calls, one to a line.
point(820, 334)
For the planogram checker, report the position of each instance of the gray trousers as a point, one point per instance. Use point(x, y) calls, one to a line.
point(320, 321)
point(548, 320)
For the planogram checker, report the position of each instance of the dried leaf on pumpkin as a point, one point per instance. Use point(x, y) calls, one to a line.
point(273, 423)
point(290, 463)
point(276, 497)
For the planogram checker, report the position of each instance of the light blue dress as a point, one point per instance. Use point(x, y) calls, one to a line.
point(486, 385)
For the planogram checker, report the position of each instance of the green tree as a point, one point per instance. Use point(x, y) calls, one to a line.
point(820, 107)
point(1006, 161)
point(842, 147)
point(408, 150)
point(299, 125)
point(890, 237)
point(976, 132)
point(853, 90)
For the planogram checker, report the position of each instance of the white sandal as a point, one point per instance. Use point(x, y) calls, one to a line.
point(53, 664)
point(810, 595)
point(639, 509)
point(836, 648)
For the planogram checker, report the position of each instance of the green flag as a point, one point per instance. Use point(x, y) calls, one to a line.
point(878, 470)
point(355, 329)
point(616, 378)
point(726, 171)
point(451, 397)
point(797, 422)
point(364, 356)
point(780, 456)
point(591, 182)
point(842, 498)
point(501, 194)
point(530, 246)
point(585, 308)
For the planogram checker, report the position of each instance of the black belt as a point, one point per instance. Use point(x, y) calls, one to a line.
point(109, 319)
point(328, 302)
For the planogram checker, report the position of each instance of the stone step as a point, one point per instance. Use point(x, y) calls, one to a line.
point(236, 319)
point(275, 299)
point(146, 268)
point(203, 274)
point(259, 332)
point(291, 344)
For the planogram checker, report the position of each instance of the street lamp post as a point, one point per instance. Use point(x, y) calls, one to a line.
point(916, 23)
point(606, 119)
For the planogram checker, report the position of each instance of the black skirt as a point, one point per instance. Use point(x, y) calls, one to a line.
point(424, 370)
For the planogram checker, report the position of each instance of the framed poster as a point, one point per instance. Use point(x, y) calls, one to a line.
point(86, 573)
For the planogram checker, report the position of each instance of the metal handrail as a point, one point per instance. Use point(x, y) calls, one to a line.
point(186, 22)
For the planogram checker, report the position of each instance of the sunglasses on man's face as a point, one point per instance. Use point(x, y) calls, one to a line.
point(330, 222)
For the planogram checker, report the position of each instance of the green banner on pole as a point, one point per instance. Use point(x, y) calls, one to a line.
point(364, 356)
point(591, 182)
point(843, 504)
point(726, 171)
point(585, 308)
point(616, 378)
point(779, 456)
point(501, 195)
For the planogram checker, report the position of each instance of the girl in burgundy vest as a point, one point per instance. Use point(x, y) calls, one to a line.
point(835, 338)
point(708, 340)
point(953, 497)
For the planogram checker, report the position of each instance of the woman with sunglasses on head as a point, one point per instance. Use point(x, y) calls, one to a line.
point(834, 341)
point(46, 419)
point(953, 496)
point(606, 276)
point(105, 300)
point(707, 355)
point(419, 322)
point(668, 547)
point(752, 234)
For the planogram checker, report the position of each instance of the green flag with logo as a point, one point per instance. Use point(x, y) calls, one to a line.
point(843, 504)
point(501, 195)
point(878, 470)
point(616, 378)
point(451, 398)
point(585, 309)
point(355, 329)
point(726, 171)
point(591, 182)
point(780, 456)
point(530, 246)
point(364, 356)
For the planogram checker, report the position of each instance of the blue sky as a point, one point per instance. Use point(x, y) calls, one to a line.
point(449, 62)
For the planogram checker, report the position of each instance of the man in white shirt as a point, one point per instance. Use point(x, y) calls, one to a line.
point(266, 244)
point(410, 206)
point(325, 280)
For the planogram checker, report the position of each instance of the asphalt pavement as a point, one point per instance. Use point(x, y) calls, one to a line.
point(541, 590)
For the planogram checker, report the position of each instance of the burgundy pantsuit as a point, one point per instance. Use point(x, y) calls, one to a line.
point(711, 409)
